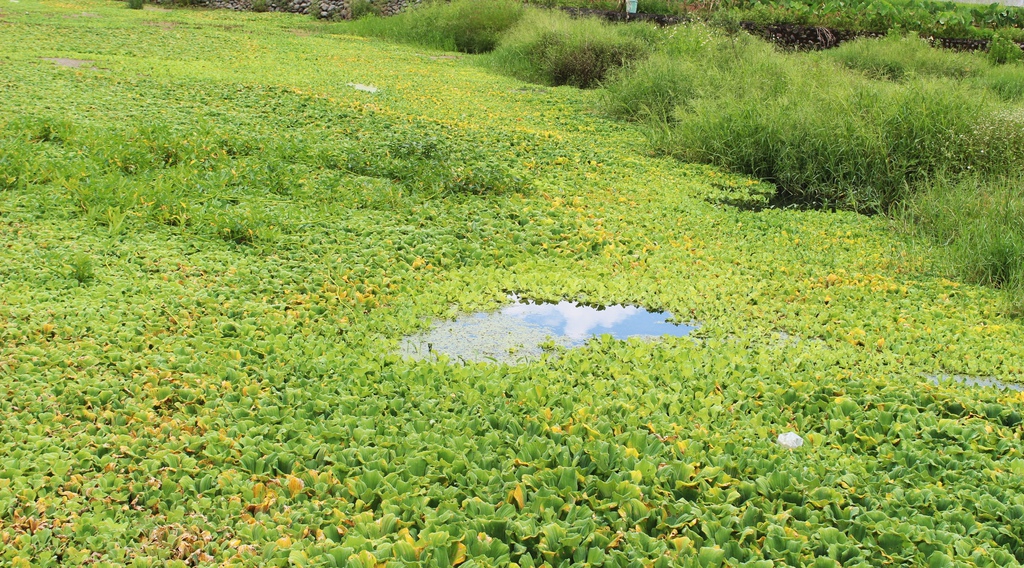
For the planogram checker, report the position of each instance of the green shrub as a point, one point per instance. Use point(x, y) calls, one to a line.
point(552, 48)
point(1002, 50)
point(897, 57)
point(135, 4)
point(978, 225)
point(816, 130)
point(469, 26)
point(260, 6)
point(363, 8)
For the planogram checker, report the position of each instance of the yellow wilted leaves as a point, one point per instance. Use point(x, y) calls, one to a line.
point(295, 485)
point(516, 497)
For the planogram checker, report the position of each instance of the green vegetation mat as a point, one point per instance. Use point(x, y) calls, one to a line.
point(211, 245)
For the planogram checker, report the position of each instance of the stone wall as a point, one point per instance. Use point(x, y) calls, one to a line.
point(392, 7)
point(319, 8)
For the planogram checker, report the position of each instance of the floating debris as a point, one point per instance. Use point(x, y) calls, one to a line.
point(972, 381)
point(790, 440)
point(362, 87)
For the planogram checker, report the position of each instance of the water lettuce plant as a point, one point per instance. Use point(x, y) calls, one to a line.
point(211, 247)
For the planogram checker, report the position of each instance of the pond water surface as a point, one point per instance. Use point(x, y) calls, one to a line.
point(517, 331)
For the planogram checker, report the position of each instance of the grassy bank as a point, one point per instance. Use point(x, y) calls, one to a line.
point(211, 245)
point(866, 126)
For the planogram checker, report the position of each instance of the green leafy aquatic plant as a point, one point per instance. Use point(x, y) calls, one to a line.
point(200, 401)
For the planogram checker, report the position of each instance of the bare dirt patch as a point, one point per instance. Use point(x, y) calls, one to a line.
point(152, 8)
point(301, 33)
point(440, 57)
point(73, 63)
point(161, 25)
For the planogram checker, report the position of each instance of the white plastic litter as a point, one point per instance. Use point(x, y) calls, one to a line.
point(362, 87)
point(790, 440)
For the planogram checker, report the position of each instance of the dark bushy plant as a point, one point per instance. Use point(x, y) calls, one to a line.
point(363, 8)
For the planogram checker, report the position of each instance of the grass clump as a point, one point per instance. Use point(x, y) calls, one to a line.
point(364, 8)
point(469, 26)
point(1006, 81)
point(554, 49)
point(897, 57)
point(978, 224)
point(135, 4)
point(1001, 50)
point(821, 133)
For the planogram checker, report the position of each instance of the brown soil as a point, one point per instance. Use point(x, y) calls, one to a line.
point(301, 33)
point(440, 57)
point(161, 25)
point(73, 63)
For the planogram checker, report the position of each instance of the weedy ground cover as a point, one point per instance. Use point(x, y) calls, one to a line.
point(211, 246)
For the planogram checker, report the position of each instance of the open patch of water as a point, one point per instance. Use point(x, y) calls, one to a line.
point(518, 331)
point(972, 381)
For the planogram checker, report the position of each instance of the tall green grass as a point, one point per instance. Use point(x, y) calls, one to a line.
point(552, 48)
point(469, 26)
point(1006, 81)
point(897, 57)
point(820, 132)
point(977, 224)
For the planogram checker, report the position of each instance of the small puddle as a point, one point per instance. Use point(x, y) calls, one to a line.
point(517, 332)
point(972, 381)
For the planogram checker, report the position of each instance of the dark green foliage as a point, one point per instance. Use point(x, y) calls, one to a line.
point(470, 26)
point(260, 6)
point(135, 4)
point(929, 17)
point(554, 49)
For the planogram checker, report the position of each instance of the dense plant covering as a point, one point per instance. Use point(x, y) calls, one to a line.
point(945, 19)
point(817, 130)
point(211, 244)
point(929, 17)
